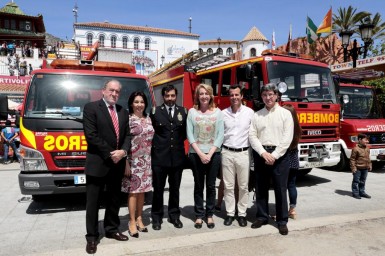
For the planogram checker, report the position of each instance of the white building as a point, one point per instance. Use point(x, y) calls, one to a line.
point(151, 47)
point(252, 45)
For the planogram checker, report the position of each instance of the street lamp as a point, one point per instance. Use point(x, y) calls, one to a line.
point(366, 31)
point(162, 60)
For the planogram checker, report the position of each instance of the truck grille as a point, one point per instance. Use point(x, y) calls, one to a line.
point(319, 132)
point(70, 162)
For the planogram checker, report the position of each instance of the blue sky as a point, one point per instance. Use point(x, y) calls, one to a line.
point(227, 19)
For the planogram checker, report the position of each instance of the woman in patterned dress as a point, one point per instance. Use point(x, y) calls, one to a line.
point(205, 131)
point(138, 164)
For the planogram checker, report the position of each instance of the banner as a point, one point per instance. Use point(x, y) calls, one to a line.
point(326, 25)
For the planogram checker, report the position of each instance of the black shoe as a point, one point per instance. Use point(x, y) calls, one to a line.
point(242, 221)
point(156, 226)
point(136, 234)
point(176, 222)
point(198, 225)
point(258, 223)
point(283, 230)
point(91, 247)
point(228, 221)
point(141, 229)
point(365, 196)
point(117, 236)
point(356, 196)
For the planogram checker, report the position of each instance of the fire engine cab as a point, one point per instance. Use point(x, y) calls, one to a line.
point(53, 146)
point(303, 83)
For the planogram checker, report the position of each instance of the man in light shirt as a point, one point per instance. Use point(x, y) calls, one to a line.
point(235, 156)
point(270, 135)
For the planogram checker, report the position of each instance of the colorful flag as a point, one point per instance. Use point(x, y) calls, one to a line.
point(311, 31)
point(288, 45)
point(326, 25)
point(273, 41)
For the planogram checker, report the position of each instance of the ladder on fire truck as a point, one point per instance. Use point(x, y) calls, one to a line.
point(193, 61)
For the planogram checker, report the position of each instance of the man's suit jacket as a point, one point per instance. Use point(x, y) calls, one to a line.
point(168, 142)
point(101, 137)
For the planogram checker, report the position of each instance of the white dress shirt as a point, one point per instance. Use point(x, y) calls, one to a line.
point(236, 133)
point(272, 128)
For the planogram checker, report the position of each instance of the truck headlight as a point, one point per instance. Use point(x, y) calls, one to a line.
point(31, 160)
point(354, 139)
point(336, 147)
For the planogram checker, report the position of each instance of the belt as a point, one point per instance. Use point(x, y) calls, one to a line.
point(236, 149)
point(269, 147)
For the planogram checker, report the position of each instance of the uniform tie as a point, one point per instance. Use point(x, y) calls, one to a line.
point(170, 113)
point(114, 121)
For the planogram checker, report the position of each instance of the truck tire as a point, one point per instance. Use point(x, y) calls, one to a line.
point(343, 165)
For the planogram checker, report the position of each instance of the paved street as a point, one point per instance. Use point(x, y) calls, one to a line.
point(329, 221)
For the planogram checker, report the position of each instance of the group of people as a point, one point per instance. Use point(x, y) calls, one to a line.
point(133, 152)
point(10, 139)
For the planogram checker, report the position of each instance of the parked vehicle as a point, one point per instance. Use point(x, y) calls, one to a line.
point(53, 146)
point(303, 83)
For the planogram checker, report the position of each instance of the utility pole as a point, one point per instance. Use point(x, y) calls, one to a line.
point(190, 19)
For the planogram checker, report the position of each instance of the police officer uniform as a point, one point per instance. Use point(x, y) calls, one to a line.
point(167, 159)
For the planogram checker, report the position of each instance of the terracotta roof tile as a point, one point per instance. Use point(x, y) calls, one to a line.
point(255, 35)
point(215, 41)
point(135, 28)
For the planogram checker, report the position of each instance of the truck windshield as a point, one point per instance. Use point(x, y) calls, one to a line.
point(362, 103)
point(63, 96)
point(305, 82)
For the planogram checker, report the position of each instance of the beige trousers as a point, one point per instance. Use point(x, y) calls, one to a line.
point(235, 167)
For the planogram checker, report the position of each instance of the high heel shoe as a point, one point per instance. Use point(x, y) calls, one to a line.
point(211, 224)
point(292, 214)
point(197, 224)
point(142, 229)
point(133, 234)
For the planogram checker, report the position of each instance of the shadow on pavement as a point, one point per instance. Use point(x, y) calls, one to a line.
point(310, 180)
point(343, 192)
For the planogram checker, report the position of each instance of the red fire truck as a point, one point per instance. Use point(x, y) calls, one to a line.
point(304, 83)
point(53, 145)
point(361, 113)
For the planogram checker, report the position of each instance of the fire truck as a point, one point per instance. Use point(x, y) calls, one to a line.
point(302, 82)
point(53, 146)
point(360, 113)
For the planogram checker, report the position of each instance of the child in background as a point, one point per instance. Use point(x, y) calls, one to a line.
point(360, 164)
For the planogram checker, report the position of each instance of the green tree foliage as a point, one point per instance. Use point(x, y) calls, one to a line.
point(379, 84)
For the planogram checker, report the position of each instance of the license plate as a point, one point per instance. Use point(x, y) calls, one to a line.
point(313, 164)
point(80, 179)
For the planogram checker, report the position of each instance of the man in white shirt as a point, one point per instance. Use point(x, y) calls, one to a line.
point(270, 135)
point(235, 156)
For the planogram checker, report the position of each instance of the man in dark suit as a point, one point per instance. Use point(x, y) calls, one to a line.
point(168, 156)
point(106, 130)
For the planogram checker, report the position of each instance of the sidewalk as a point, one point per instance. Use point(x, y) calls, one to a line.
point(56, 226)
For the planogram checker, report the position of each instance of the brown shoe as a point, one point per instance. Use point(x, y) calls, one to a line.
point(283, 230)
point(91, 247)
point(117, 236)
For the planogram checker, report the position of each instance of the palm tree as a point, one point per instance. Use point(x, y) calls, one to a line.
point(347, 19)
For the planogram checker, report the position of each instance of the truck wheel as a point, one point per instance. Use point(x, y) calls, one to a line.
point(343, 164)
point(37, 198)
point(303, 172)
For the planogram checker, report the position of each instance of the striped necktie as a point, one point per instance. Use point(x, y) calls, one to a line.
point(115, 121)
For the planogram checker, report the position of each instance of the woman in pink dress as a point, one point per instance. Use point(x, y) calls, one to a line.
point(138, 174)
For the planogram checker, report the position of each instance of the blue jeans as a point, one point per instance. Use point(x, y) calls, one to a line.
point(6, 149)
point(201, 173)
point(359, 179)
point(291, 188)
